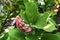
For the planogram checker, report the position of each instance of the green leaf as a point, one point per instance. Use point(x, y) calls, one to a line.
point(42, 21)
point(4, 36)
point(23, 16)
point(58, 35)
point(50, 27)
point(8, 38)
point(27, 38)
point(34, 35)
point(31, 37)
point(51, 20)
point(49, 4)
point(16, 34)
point(49, 37)
point(31, 11)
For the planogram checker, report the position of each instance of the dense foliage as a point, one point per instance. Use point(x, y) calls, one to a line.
point(29, 19)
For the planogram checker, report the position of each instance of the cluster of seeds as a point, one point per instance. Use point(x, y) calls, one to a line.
point(21, 25)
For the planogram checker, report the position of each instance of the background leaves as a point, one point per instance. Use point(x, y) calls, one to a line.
point(42, 24)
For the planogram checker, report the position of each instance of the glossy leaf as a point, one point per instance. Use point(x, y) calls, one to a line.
point(50, 27)
point(16, 34)
point(42, 21)
point(31, 11)
point(4, 36)
point(49, 37)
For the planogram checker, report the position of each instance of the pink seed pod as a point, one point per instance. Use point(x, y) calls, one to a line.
point(27, 29)
point(19, 21)
point(21, 25)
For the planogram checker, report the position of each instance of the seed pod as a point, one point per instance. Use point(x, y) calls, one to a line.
point(21, 25)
